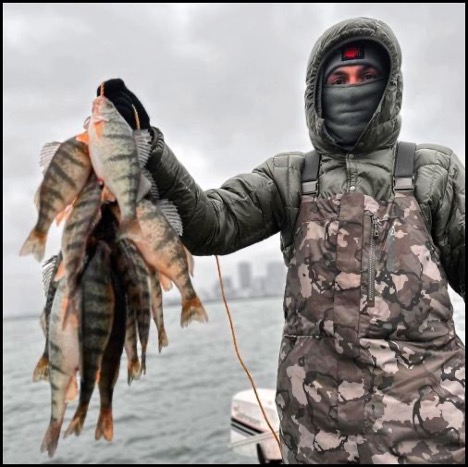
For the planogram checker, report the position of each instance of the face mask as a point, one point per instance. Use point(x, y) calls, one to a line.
point(347, 109)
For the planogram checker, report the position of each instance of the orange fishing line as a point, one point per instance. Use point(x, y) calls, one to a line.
point(137, 119)
point(234, 340)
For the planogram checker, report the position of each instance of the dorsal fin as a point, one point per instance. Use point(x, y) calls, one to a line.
point(169, 211)
point(47, 154)
point(143, 144)
point(49, 269)
point(154, 192)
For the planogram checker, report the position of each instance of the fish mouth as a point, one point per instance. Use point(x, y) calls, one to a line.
point(98, 104)
point(101, 104)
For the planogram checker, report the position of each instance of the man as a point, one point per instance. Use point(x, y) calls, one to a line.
point(370, 367)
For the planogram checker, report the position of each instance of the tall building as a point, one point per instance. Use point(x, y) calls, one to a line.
point(245, 275)
point(275, 279)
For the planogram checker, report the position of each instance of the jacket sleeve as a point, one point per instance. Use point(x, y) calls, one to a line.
point(449, 226)
point(244, 210)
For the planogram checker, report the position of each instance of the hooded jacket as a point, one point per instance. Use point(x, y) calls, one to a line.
point(251, 207)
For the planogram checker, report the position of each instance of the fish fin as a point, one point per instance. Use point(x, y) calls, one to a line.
point(48, 152)
point(77, 423)
point(51, 437)
point(163, 341)
point(154, 193)
point(72, 390)
point(105, 425)
point(192, 310)
point(70, 307)
point(63, 215)
point(34, 245)
point(60, 272)
point(49, 269)
point(83, 137)
point(166, 283)
point(169, 210)
point(41, 372)
point(86, 123)
point(134, 370)
point(144, 187)
point(107, 195)
point(190, 260)
point(99, 126)
point(143, 144)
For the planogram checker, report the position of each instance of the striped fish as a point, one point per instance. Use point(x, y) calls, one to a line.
point(163, 250)
point(131, 340)
point(64, 363)
point(114, 155)
point(97, 312)
point(49, 270)
point(78, 227)
point(111, 363)
point(67, 168)
point(135, 278)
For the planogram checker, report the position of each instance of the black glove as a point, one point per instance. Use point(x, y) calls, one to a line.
point(123, 99)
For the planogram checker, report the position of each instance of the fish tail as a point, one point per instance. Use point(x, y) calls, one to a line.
point(192, 310)
point(34, 245)
point(105, 425)
point(76, 425)
point(134, 370)
point(72, 390)
point(51, 437)
point(41, 372)
point(162, 339)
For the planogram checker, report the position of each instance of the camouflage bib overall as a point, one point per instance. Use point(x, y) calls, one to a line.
point(370, 368)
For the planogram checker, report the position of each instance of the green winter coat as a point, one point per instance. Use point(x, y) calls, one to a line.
point(251, 207)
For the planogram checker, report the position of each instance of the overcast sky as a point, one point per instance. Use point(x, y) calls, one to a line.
point(224, 82)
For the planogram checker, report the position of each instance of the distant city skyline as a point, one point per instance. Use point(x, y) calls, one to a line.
point(243, 283)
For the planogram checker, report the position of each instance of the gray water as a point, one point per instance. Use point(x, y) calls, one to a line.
point(179, 412)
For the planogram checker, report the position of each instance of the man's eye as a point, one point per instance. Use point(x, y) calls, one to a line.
point(368, 76)
point(337, 80)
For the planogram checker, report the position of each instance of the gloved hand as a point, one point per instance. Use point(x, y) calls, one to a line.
point(122, 98)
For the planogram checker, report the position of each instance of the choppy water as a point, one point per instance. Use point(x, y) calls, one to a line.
point(179, 412)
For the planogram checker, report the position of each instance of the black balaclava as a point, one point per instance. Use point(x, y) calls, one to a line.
point(347, 109)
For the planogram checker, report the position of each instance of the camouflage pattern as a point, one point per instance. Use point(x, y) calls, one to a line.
point(370, 369)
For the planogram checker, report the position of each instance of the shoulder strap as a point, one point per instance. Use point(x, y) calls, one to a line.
point(404, 162)
point(310, 173)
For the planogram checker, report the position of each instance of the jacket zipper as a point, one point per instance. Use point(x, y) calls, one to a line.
point(371, 272)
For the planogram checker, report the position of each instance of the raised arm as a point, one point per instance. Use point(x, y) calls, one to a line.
point(244, 210)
